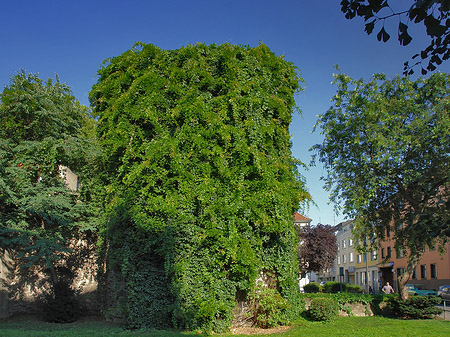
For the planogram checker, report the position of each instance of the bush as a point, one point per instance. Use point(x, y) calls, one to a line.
point(312, 287)
point(61, 306)
point(268, 308)
point(323, 309)
point(354, 288)
point(334, 287)
point(417, 307)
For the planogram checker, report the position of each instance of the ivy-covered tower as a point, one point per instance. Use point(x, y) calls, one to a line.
point(200, 179)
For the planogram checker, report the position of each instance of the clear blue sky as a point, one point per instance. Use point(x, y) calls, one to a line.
point(72, 38)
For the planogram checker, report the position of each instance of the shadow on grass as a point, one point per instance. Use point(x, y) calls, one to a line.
point(26, 325)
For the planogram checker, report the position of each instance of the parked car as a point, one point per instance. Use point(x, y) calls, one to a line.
point(412, 289)
point(441, 288)
point(444, 292)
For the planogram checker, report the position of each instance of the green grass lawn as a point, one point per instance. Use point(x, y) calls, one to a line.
point(343, 326)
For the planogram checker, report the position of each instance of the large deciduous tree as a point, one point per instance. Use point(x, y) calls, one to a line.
point(387, 153)
point(434, 14)
point(317, 249)
point(41, 129)
point(202, 184)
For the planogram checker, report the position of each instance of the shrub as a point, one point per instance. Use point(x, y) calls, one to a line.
point(323, 309)
point(268, 307)
point(354, 288)
point(312, 287)
point(61, 306)
point(417, 307)
point(334, 287)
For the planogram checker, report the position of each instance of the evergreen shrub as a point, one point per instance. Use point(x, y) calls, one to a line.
point(323, 309)
point(312, 287)
point(416, 307)
point(354, 288)
point(334, 287)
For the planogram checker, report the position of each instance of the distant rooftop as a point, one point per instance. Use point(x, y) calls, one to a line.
point(301, 218)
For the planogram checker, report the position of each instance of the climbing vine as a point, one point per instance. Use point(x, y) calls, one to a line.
point(201, 183)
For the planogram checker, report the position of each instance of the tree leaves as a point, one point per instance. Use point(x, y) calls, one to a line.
point(383, 35)
point(386, 153)
point(403, 36)
point(317, 249)
point(40, 130)
point(433, 15)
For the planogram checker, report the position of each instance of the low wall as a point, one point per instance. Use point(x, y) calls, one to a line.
point(23, 290)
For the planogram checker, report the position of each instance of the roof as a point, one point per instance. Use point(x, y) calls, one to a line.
point(301, 218)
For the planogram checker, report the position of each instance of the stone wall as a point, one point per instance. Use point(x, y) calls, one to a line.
point(23, 290)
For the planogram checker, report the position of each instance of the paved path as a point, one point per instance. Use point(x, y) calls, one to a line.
point(445, 314)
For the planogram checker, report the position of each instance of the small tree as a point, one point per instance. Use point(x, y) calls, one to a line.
point(317, 249)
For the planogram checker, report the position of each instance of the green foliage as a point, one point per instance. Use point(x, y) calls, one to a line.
point(354, 288)
point(312, 287)
point(323, 309)
point(61, 306)
point(201, 184)
point(415, 307)
point(334, 287)
point(386, 145)
point(20, 326)
point(41, 129)
point(268, 308)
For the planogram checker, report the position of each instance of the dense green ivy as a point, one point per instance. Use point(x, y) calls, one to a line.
point(201, 183)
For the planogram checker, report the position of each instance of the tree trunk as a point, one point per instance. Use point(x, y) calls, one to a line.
point(404, 278)
point(401, 282)
point(54, 277)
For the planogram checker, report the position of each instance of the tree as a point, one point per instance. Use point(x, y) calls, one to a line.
point(434, 14)
point(201, 180)
point(317, 249)
point(386, 151)
point(40, 130)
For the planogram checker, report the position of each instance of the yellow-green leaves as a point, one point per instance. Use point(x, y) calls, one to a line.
point(197, 145)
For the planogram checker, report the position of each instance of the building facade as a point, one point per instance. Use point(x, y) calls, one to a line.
point(345, 260)
point(432, 271)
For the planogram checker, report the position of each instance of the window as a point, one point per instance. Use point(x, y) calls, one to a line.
point(423, 271)
point(414, 274)
point(350, 242)
point(400, 271)
point(343, 244)
point(365, 257)
point(433, 271)
point(338, 260)
point(388, 252)
point(358, 258)
point(400, 253)
point(382, 253)
point(344, 258)
point(388, 232)
point(338, 246)
point(350, 257)
point(373, 256)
